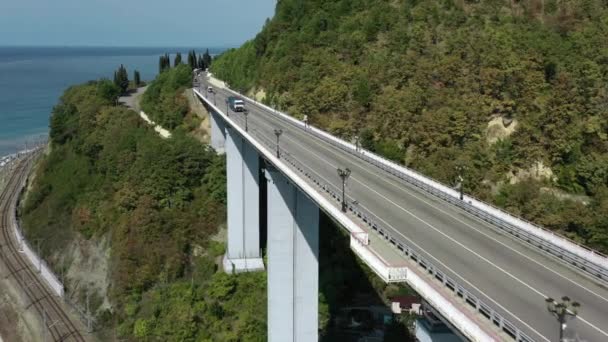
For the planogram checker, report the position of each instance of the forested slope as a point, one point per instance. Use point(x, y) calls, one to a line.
point(158, 202)
point(514, 91)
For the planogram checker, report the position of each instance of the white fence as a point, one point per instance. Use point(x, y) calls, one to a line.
point(388, 273)
point(45, 271)
point(575, 254)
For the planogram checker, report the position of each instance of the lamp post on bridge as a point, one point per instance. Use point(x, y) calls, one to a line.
point(278, 133)
point(562, 311)
point(461, 170)
point(344, 174)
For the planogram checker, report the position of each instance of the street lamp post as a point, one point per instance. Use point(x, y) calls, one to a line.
point(461, 180)
point(278, 133)
point(344, 174)
point(562, 311)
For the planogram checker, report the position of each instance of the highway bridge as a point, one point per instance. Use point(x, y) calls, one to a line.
point(480, 273)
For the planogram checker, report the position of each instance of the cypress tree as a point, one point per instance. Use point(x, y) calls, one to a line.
point(192, 59)
point(178, 59)
point(136, 78)
point(122, 77)
point(207, 58)
point(201, 62)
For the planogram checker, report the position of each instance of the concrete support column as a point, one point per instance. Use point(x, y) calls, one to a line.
point(293, 262)
point(218, 135)
point(242, 165)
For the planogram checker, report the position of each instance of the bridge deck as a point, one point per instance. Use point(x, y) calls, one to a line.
point(514, 279)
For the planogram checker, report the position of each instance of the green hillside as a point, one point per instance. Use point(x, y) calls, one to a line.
point(420, 82)
point(156, 206)
point(157, 202)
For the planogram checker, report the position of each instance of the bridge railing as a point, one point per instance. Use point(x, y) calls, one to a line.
point(575, 254)
point(392, 238)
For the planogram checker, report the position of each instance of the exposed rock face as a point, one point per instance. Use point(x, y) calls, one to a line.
point(499, 128)
point(537, 171)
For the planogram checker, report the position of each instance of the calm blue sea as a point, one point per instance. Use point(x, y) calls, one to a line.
point(33, 78)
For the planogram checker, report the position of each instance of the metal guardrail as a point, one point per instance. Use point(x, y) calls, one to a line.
point(387, 233)
point(591, 268)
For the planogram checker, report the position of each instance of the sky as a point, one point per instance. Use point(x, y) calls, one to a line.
point(148, 23)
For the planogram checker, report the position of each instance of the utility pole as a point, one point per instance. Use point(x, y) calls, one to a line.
point(562, 311)
point(278, 133)
point(344, 174)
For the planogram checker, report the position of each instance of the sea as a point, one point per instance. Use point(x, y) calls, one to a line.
point(33, 78)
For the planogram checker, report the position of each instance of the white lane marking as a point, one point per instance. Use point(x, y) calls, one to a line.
point(447, 236)
point(466, 281)
point(420, 248)
point(412, 194)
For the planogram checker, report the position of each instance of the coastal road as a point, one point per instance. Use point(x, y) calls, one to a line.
point(511, 277)
point(59, 326)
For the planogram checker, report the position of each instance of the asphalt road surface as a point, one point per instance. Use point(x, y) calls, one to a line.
point(512, 278)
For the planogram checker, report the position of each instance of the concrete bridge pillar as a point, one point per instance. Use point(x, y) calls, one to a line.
point(293, 262)
point(243, 171)
point(218, 134)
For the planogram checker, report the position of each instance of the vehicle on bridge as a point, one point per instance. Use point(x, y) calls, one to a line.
point(236, 104)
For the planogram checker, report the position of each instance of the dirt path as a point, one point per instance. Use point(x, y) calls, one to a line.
point(132, 99)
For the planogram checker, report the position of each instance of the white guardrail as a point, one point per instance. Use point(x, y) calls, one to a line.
point(592, 262)
point(359, 244)
point(38, 263)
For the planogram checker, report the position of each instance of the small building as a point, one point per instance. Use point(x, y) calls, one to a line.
point(408, 304)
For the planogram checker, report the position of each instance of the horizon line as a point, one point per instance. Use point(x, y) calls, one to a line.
point(116, 46)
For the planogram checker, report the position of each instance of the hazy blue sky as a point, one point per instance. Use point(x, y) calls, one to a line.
point(132, 22)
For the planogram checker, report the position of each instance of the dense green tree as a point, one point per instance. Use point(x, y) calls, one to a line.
point(121, 78)
point(207, 58)
point(201, 63)
point(136, 78)
point(421, 80)
point(178, 59)
point(192, 59)
point(163, 101)
point(164, 63)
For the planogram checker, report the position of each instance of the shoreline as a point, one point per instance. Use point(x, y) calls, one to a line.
point(10, 147)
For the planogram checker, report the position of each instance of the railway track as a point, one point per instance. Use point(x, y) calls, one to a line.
point(58, 325)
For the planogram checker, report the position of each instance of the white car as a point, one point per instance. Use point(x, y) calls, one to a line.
point(210, 89)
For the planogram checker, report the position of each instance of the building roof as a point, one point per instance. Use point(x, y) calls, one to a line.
point(405, 302)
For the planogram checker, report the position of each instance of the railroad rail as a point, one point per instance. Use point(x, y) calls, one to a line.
point(57, 324)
